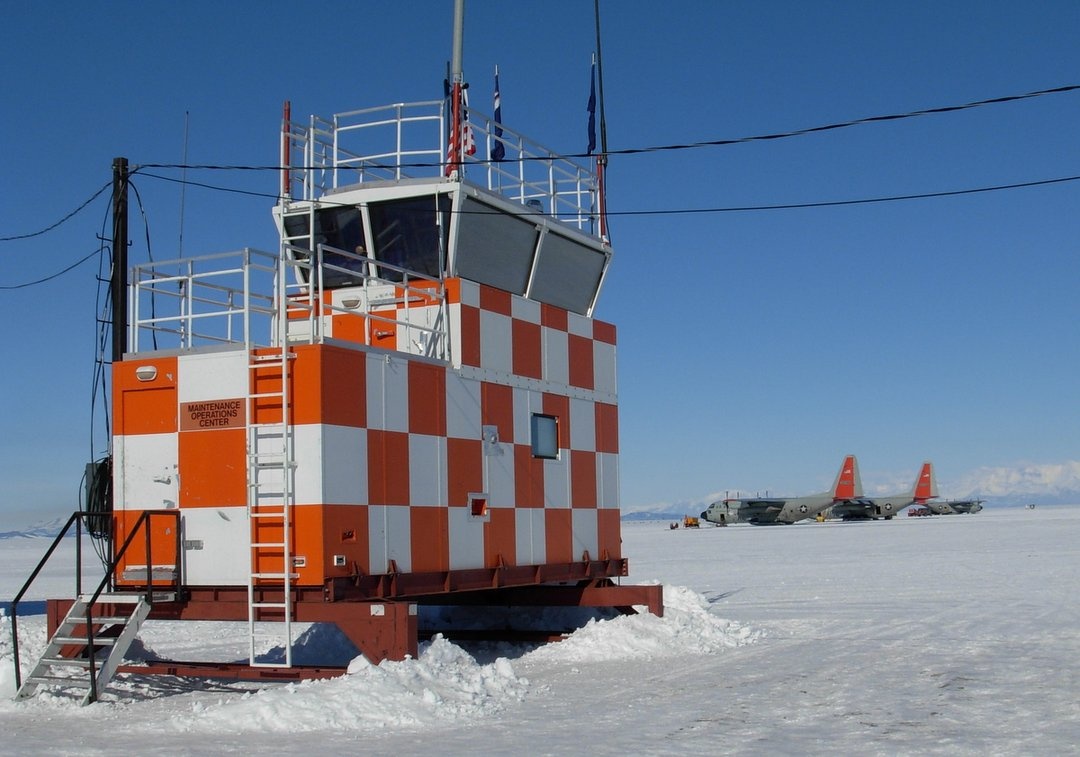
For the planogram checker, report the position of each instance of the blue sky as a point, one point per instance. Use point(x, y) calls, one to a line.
point(755, 348)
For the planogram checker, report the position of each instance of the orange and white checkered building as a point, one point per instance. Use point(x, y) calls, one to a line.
point(403, 463)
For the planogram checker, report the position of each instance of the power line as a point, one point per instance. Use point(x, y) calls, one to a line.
point(637, 151)
point(729, 209)
point(695, 145)
point(62, 220)
point(855, 122)
point(56, 275)
point(837, 203)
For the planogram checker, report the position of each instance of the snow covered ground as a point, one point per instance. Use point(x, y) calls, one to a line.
point(945, 635)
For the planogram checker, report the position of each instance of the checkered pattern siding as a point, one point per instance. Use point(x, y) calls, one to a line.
point(402, 462)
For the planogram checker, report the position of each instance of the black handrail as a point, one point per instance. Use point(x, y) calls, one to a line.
point(77, 518)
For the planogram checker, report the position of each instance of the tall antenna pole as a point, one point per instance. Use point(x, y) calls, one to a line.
point(286, 169)
point(601, 159)
point(456, 83)
point(183, 186)
point(118, 281)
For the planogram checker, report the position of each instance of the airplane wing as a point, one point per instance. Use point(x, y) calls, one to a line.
point(761, 510)
point(851, 509)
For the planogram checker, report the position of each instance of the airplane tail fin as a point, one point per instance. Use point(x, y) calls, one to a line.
point(848, 484)
point(925, 485)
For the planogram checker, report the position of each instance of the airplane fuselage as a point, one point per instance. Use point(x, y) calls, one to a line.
point(954, 507)
point(766, 511)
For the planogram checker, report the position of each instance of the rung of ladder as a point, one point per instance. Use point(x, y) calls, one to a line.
point(270, 605)
point(265, 395)
point(267, 544)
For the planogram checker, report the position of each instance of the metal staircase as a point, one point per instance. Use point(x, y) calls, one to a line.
point(114, 620)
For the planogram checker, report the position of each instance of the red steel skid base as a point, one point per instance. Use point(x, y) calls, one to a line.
point(378, 613)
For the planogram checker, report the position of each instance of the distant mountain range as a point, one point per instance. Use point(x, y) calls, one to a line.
point(45, 529)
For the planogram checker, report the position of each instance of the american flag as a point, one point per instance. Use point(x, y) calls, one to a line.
point(467, 139)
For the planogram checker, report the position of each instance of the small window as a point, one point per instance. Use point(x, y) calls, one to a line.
point(478, 507)
point(545, 436)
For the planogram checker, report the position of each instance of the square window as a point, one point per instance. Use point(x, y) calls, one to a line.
point(545, 436)
point(478, 506)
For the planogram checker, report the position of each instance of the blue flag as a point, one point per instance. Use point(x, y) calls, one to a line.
point(498, 149)
point(592, 108)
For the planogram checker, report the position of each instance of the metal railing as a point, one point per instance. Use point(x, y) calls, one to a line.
point(233, 298)
point(225, 298)
point(383, 286)
point(142, 523)
point(409, 141)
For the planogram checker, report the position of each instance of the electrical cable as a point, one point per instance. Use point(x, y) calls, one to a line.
point(732, 209)
point(58, 274)
point(70, 215)
point(624, 151)
point(696, 145)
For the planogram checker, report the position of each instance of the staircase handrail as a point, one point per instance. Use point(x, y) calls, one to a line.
point(77, 519)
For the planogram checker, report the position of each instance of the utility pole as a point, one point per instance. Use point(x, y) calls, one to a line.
point(118, 281)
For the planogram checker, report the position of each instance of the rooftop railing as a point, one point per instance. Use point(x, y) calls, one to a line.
point(409, 141)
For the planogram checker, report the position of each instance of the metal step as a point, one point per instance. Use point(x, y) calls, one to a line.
point(88, 672)
point(62, 681)
point(99, 641)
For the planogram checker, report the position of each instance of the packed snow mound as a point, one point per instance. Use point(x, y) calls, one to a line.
point(444, 684)
point(687, 627)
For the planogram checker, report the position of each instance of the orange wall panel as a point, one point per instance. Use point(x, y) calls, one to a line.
point(429, 530)
point(427, 399)
point(500, 541)
point(465, 471)
point(558, 529)
point(581, 361)
point(388, 467)
point(494, 300)
point(582, 479)
point(528, 478)
point(162, 541)
point(470, 336)
point(145, 407)
point(604, 332)
point(213, 468)
point(554, 318)
point(345, 532)
point(497, 408)
point(527, 357)
point(607, 427)
point(329, 385)
point(609, 534)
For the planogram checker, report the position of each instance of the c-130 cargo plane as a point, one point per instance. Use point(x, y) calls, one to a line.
point(763, 511)
point(864, 508)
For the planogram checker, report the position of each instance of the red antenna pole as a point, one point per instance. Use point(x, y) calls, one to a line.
point(286, 121)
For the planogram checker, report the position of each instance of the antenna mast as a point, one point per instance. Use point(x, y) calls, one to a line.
point(601, 159)
point(456, 84)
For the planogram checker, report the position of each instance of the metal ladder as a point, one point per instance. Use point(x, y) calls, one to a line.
point(114, 630)
point(270, 495)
